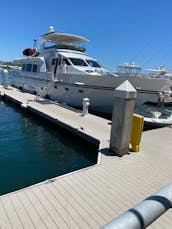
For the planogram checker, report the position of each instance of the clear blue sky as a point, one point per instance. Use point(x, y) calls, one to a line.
point(119, 31)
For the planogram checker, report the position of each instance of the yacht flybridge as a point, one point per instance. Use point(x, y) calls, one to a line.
point(63, 71)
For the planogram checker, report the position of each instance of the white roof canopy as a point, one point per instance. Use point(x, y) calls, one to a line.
point(63, 38)
point(30, 60)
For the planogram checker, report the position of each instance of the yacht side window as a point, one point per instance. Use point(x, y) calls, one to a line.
point(34, 68)
point(66, 60)
point(93, 63)
point(78, 62)
point(23, 67)
point(28, 67)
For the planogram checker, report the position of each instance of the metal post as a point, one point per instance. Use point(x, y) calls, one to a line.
point(85, 103)
point(146, 212)
point(122, 116)
point(5, 72)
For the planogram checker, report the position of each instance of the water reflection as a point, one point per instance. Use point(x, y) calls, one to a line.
point(32, 150)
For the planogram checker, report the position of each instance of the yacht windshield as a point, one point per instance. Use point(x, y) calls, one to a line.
point(78, 62)
point(93, 63)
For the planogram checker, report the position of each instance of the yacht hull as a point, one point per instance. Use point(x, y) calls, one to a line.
point(71, 89)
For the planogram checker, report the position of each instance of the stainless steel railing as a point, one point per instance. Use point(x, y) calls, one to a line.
point(144, 213)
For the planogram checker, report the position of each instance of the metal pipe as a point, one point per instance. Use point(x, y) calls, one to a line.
point(144, 213)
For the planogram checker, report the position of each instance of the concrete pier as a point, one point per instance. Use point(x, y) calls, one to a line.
point(91, 197)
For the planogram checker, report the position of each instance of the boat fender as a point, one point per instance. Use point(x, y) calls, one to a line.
point(2, 93)
point(24, 105)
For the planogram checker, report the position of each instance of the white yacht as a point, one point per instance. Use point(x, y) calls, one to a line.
point(82, 76)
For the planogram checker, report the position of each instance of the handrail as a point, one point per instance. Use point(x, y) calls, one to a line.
point(144, 213)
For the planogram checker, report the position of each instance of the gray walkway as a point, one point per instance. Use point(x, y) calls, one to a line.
point(91, 197)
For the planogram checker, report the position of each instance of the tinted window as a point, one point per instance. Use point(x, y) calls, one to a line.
point(23, 67)
point(78, 62)
point(67, 62)
point(93, 63)
point(28, 68)
point(34, 68)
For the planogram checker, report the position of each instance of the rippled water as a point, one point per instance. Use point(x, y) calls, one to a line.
point(33, 150)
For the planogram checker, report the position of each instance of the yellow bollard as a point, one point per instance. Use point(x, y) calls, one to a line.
point(137, 129)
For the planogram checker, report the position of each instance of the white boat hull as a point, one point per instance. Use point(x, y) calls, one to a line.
point(157, 122)
point(71, 89)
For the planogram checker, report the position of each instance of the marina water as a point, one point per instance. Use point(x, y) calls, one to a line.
point(33, 150)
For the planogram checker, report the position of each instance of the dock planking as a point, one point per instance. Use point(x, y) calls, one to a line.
point(91, 197)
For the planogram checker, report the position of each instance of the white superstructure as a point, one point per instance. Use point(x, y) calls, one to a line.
point(63, 71)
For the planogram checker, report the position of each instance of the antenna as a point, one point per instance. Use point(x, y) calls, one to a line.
point(141, 51)
point(35, 44)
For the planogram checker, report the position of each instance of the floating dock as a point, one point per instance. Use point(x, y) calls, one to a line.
point(91, 197)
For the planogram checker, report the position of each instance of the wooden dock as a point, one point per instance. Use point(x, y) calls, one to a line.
point(91, 197)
